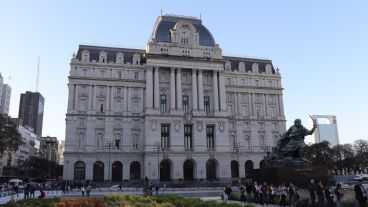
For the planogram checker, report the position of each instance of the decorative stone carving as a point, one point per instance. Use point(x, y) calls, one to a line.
point(221, 126)
point(177, 124)
point(199, 125)
point(154, 125)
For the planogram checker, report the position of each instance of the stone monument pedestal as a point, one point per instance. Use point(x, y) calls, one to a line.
point(299, 176)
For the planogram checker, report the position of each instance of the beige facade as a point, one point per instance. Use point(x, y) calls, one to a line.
point(176, 110)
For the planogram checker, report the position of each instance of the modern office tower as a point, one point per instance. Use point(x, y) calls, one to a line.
point(31, 110)
point(326, 129)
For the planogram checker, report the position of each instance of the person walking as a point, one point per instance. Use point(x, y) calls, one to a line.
point(329, 196)
point(26, 192)
point(242, 194)
point(83, 189)
point(312, 188)
point(320, 194)
point(339, 195)
point(88, 190)
point(360, 194)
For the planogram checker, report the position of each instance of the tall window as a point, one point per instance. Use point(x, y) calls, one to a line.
point(135, 141)
point(136, 75)
point(210, 132)
point(117, 141)
point(99, 141)
point(120, 74)
point(188, 137)
point(207, 104)
point(80, 144)
point(186, 104)
point(163, 104)
point(165, 136)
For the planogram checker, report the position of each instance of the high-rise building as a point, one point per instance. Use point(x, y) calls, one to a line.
point(49, 148)
point(5, 94)
point(178, 109)
point(326, 129)
point(60, 159)
point(31, 111)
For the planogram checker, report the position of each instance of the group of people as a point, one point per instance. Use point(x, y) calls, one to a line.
point(86, 190)
point(148, 187)
point(324, 192)
point(265, 193)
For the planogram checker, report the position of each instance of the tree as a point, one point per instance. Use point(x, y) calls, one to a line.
point(320, 154)
point(10, 138)
point(361, 155)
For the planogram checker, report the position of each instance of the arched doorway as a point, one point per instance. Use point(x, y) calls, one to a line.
point(79, 170)
point(234, 169)
point(165, 170)
point(135, 170)
point(117, 171)
point(248, 167)
point(98, 171)
point(211, 169)
point(188, 168)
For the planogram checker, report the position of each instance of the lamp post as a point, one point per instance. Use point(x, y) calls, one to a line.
point(109, 147)
point(149, 169)
point(158, 149)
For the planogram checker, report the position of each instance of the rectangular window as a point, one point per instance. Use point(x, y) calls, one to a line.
point(188, 138)
point(210, 132)
point(165, 136)
point(117, 143)
point(163, 101)
point(120, 74)
point(207, 104)
point(118, 91)
point(136, 75)
point(186, 104)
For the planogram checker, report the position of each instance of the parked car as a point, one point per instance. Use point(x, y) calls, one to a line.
point(363, 177)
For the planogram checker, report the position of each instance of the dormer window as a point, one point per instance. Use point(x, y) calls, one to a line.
point(136, 59)
point(120, 58)
point(228, 66)
point(241, 67)
point(103, 57)
point(255, 68)
point(268, 69)
point(85, 56)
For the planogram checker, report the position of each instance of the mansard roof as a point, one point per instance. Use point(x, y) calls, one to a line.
point(248, 63)
point(165, 23)
point(94, 52)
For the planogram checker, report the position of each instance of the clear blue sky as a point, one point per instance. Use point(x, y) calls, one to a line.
point(320, 47)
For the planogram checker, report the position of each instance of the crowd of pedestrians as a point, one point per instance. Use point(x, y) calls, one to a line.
point(265, 194)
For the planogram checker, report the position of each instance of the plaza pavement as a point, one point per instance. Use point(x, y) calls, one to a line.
point(203, 193)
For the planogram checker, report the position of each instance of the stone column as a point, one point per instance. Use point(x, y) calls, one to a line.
point(253, 105)
point(194, 90)
point(239, 103)
point(129, 98)
point(125, 98)
point(90, 99)
point(142, 97)
point(156, 89)
point(281, 105)
point(222, 91)
point(172, 89)
point(179, 101)
point(71, 97)
point(200, 90)
point(236, 105)
point(112, 97)
point(76, 97)
point(94, 99)
point(266, 105)
point(149, 89)
point(250, 104)
point(108, 97)
point(215, 91)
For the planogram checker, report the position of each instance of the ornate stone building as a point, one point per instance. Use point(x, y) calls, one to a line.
point(178, 109)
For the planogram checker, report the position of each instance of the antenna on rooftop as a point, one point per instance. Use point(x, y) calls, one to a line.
point(38, 73)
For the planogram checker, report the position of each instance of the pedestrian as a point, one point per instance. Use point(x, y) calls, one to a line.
point(32, 191)
point(88, 190)
point(156, 188)
point(292, 194)
point(320, 194)
point(339, 195)
point(329, 196)
point(360, 194)
point(283, 191)
point(83, 189)
point(248, 188)
point(42, 194)
point(312, 187)
point(26, 191)
point(242, 194)
point(120, 187)
point(228, 192)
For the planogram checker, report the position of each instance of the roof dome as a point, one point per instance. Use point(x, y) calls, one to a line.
point(165, 23)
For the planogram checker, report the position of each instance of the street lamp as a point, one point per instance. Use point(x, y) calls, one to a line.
point(149, 169)
point(158, 149)
point(109, 147)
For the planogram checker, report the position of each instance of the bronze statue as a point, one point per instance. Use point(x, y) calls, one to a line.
point(290, 150)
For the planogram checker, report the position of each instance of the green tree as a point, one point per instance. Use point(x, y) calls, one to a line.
point(10, 138)
point(361, 155)
point(320, 154)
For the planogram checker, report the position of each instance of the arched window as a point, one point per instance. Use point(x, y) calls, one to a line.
point(79, 170)
point(211, 169)
point(188, 168)
point(135, 170)
point(117, 171)
point(248, 168)
point(234, 169)
point(98, 171)
point(165, 170)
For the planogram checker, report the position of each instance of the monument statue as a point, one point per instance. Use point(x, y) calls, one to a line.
point(290, 149)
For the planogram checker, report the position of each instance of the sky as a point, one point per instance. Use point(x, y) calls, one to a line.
point(320, 47)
